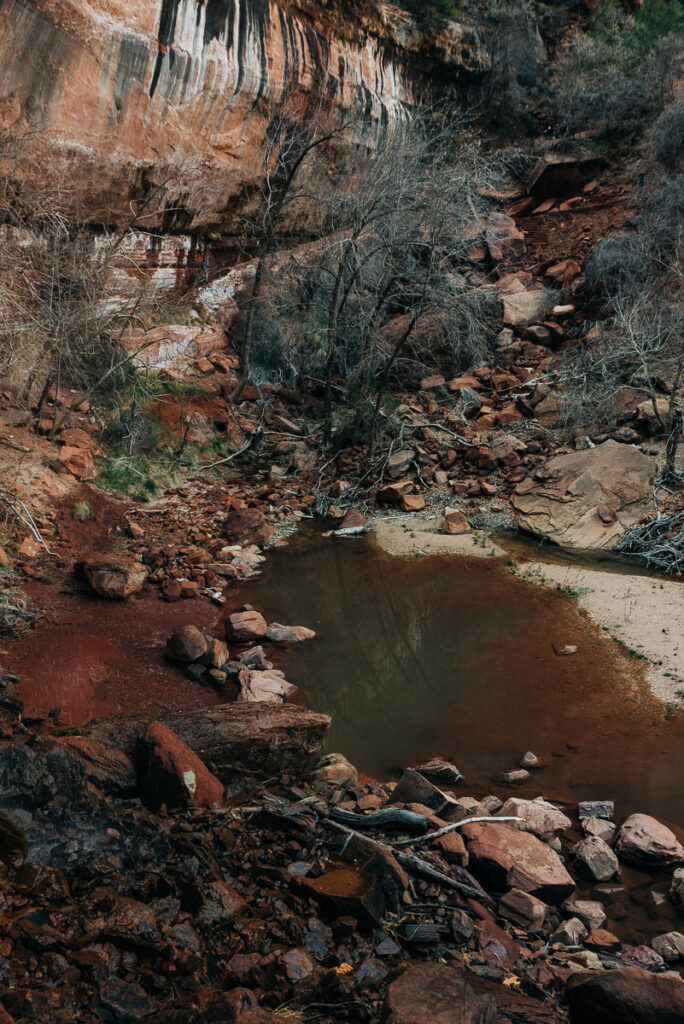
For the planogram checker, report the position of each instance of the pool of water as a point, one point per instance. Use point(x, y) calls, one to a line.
point(455, 656)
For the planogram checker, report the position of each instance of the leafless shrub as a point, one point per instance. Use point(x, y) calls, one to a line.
point(659, 542)
point(668, 136)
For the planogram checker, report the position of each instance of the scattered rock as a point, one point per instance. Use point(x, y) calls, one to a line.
point(186, 645)
point(399, 463)
point(670, 946)
point(441, 771)
point(645, 842)
point(570, 933)
point(523, 910)
point(540, 818)
point(247, 526)
point(279, 634)
point(590, 912)
point(436, 994)
point(599, 827)
point(78, 462)
point(517, 775)
point(677, 888)
point(455, 522)
point(13, 844)
point(596, 809)
point(245, 627)
point(336, 770)
point(504, 858)
point(594, 859)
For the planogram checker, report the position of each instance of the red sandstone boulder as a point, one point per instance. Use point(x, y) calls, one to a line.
point(411, 503)
point(455, 522)
point(626, 996)
point(435, 994)
point(503, 858)
point(645, 842)
point(399, 463)
point(245, 627)
point(114, 576)
point(353, 520)
point(173, 774)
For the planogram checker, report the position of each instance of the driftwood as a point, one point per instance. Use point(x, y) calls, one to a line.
point(447, 829)
point(350, 531)
point(416, 866)
point(390, 818)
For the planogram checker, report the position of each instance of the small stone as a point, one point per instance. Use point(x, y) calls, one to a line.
point(570, 933)
point(599, 827)
point(186, 645)
point(245, 627)
point(519, 775)
point(455, 522)
point(602, 941)
point(670, 946)
point(524, 910)
point(594, 859)
point(411, 503)
point(336, 770)
point(590, 912)
point(677, 887)
point(529, 760)
point(279, 634)
point(596, 809)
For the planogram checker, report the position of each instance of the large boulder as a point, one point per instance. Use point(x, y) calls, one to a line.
point(436, 994)
point(503, 858)
point(172, 774)
point(647, 843)
point(186, 645)
point(247, 526)
point(586, 499)
point(114, 576)
point(626, 996)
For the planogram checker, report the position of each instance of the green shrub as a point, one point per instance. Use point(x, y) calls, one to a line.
point(668, 136)
point(82, 511)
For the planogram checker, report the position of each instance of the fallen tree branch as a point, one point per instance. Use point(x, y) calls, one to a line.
point(393, 817)
point(234, 455)
point(409, 427)
point(22, 513)
point(416, 865)
point(447, 828)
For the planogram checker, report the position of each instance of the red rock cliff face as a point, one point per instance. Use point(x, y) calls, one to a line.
point(115, 95)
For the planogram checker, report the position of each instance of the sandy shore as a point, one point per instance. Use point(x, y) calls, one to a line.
point(409, 536)
point(642, 613)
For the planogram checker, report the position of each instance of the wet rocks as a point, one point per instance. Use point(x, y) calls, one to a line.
point(590, 912)
point(414, 788)
point(279, 634)
point(523, 910)
point(439, 770)
point(114, 576)
point(106, 767)
point(645, 842)
point(540, 817)
point(670, 946)
point(503, 858)
point(335, 770)
point(594, 859)
point(628, 994)
point(269, 687)
point(245, 627)
point(186, 645)
point(436, 994)
point(172, 774)
point(596, 809)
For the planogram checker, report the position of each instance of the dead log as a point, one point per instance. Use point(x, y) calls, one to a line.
point(391, 817)
point(267, 739)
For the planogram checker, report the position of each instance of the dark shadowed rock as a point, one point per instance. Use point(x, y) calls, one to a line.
point(625, 996)
point(279, 634)
point(247, 526)
point(13, 845)
point(106, 767)
point(435, 994)
point(594, 859)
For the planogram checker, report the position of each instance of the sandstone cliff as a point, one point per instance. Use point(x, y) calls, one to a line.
point(116, 95)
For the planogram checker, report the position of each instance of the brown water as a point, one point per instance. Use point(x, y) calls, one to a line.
point(454, 656)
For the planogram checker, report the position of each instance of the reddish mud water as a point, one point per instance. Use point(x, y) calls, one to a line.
point(414, 657)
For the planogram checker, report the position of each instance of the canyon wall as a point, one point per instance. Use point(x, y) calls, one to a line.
point(110, 97)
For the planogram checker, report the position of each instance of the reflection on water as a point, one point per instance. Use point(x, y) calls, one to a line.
point(453, 656)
